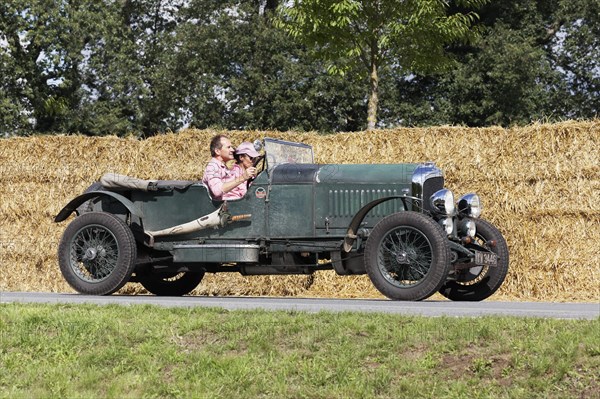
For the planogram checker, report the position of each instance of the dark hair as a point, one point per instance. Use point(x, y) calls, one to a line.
point(215, 144)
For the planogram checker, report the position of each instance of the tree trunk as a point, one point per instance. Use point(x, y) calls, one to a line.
point(373, 97)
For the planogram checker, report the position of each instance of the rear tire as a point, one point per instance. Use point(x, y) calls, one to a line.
point(479, 283)
point(407, 256)
point(168, 284)
point(97, 253)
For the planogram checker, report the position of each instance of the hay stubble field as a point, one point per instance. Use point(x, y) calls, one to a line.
point(539, 184)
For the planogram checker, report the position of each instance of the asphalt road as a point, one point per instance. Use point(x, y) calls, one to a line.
point(424, 308)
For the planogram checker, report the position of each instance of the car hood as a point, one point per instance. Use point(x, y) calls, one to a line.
point(336, 173)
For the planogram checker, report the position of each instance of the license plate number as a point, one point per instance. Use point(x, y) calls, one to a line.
point(486, 259)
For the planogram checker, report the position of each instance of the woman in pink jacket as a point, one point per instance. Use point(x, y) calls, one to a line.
point(242, 170)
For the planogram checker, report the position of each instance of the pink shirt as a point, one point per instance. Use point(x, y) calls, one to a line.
point(240, 190)
point(216, 173)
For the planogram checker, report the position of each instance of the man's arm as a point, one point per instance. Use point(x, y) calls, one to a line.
point(230, 185)
point(213, 179)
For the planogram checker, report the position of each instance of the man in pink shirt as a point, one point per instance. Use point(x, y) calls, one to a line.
point(217, 177)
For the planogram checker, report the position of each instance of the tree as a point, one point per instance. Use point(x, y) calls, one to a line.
point(152, 30)
point(534, 60)
point(13, 105)
point(49, 50)
point(505, 82)
point(573, 48)
point(33, 63)
point(365, 36)
point(235, 70)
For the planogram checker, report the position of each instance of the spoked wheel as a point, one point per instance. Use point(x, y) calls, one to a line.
point(170, 284)
point(407, 256)
point(97, 253)
point(479, 282)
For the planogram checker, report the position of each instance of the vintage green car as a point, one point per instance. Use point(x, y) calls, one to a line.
point(396, 223)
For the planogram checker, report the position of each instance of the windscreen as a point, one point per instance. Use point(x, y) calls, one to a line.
point(280, 151)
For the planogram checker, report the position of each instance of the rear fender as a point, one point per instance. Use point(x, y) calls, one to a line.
point(77, 201)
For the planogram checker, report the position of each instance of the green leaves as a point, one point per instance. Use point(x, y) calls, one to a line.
point(366, 36)
point(116, 67)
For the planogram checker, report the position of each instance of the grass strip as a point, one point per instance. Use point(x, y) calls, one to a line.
point(88, 351)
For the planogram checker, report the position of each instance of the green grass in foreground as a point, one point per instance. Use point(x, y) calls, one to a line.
point(76, 351)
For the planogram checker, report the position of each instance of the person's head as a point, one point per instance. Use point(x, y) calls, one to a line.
point(245, 154)
point(220, 148)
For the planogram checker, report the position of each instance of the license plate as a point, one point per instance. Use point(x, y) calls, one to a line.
point(486, 259)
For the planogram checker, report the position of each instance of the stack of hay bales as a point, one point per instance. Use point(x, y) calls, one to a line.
point(540, 185)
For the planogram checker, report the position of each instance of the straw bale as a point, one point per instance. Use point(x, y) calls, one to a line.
point(540, 185)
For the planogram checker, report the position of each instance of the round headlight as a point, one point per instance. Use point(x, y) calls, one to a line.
point(447, 225)
point(467, 228)
point(470, 205)
point(442, 201)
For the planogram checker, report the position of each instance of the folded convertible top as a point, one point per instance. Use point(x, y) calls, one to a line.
point(115, 181)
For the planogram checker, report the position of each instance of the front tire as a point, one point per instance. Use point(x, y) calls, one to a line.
point(479, 283)
point(97, 253)
point(407, 256)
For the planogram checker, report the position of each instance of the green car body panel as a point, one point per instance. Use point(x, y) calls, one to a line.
point(291, 201)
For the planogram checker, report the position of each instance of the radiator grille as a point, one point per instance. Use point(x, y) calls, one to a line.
point(430, 186)
point(345, 203)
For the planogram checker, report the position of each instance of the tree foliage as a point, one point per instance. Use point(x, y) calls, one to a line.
point(261, 80)
point(145, 67)
point(534, 60)
point(409, 35)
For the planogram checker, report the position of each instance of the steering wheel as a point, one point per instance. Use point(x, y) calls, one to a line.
point(258, 171)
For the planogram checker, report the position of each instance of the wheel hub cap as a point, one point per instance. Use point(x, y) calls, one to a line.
point(402, 258)
point(90, 254)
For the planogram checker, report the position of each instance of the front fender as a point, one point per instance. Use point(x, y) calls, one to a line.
point(360, 215)
point(77, 201)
